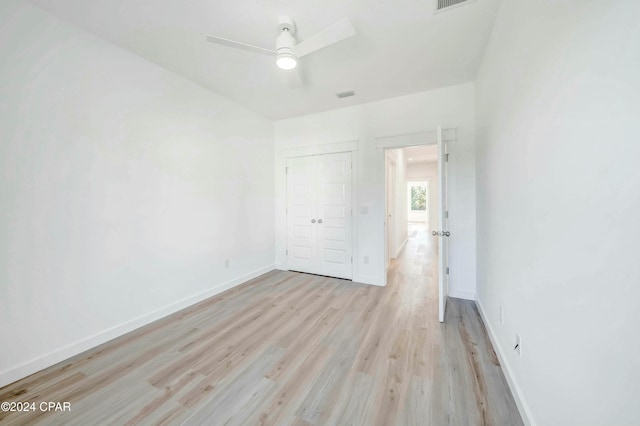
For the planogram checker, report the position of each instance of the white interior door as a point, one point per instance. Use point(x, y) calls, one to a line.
point(391, 200)
point(319, 215)
point(443, 231)
point(301, 211)
point(334, 214)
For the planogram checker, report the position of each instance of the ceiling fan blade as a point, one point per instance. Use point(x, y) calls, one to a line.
point(295, 78)
point(240, 45)
point(335, 33)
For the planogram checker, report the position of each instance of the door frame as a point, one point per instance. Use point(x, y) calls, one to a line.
point(443, 224)
point(390, 209)
point(406, 140)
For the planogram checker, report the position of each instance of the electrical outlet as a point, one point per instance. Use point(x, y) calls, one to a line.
point(366, 260)
point(518, 346)
point(501, 315)
point(226, 263)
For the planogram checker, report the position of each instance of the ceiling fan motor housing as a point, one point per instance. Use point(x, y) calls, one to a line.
point(286, 41)
point(286, 24)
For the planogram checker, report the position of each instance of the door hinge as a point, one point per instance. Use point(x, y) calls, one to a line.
point(286, 170)
point(446, 158)
point(446, 214)
point(447, 270)
point(286, 252)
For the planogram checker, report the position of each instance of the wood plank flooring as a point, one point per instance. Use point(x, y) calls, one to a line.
point(291, 349)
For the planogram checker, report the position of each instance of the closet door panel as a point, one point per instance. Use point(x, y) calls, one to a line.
point(334, 212)
point(301, 210)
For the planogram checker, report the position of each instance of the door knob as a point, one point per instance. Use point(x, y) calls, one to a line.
point(319, 220)
point(446, 233)
point(313, 221)
point(434, 233)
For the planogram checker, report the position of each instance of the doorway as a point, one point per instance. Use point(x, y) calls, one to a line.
point(417, 170)
point(411, 194)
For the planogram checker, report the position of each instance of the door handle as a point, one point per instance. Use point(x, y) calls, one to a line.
point(313, 221)
point(435, 233)
point(446, 233)
point(440, 234)
point(319, 220)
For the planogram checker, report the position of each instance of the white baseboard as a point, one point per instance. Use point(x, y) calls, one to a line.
point(356, 278)
point(23, 370)
point(404, 243)
point(516, 391)
point(462, 294)
point(365, 279)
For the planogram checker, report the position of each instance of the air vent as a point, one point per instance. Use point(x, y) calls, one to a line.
point(346, 94)
point(444, 4)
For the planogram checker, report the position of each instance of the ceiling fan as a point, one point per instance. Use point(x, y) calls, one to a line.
point(288, 50)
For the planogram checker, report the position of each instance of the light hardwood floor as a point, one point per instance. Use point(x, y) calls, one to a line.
point(291, 349)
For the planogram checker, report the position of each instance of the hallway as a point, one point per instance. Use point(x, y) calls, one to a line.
point(418, 264)
point(291, 348)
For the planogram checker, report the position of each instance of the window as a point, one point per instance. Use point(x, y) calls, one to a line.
point(418, 197)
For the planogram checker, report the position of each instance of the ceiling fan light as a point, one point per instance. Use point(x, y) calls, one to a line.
point(286, 61)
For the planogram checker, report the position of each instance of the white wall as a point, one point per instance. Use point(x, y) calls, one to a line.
point(451, 107)
point(123, 189)
point(558, 111)
point(426, 172)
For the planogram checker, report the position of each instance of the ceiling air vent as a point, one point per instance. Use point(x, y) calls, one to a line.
point(345, 94)
point(444, 4)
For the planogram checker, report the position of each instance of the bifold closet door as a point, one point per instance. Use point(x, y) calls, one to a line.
point(319, 215)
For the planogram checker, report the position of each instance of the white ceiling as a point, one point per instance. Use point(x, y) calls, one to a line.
point(401, 46)
point(421, 154)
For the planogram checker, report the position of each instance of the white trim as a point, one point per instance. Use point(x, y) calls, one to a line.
point(66, 352)
point(329, 148)
point(390, 228)
point(516, 391)
point(280, 267)
point(366, 279)
point(404, 243)
point(355, 188)
point(384, 143)
point(462, 294)
point(429, 137)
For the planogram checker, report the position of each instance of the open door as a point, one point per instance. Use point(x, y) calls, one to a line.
point(391, 202)
point(443, 233)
